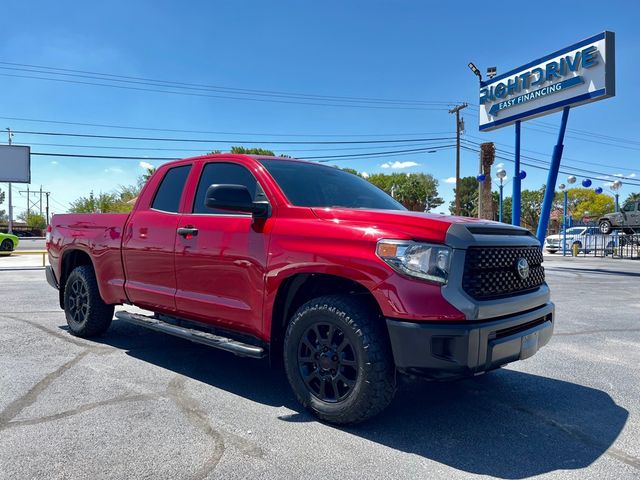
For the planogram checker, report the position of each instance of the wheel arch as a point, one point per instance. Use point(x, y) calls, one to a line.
point(299, 288)
point(71, 259)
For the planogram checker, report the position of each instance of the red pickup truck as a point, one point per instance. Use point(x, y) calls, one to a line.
point(311, 266)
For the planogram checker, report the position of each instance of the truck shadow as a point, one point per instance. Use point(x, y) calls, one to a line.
point(506, 424)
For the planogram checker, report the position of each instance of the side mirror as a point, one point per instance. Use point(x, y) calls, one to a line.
point(235, 198)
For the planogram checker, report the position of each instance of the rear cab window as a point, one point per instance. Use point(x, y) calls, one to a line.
point(169, 193)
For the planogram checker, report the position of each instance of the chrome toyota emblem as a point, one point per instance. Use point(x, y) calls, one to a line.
point(522, 267)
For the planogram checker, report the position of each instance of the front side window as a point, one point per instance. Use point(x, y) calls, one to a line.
point(170, 190)
point(629, 207)
point(311, 185)
point(221, 173)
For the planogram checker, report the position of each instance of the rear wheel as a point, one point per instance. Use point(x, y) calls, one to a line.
point(338, 359)
point(605, 227)
point(6, 245)
point(87, 314)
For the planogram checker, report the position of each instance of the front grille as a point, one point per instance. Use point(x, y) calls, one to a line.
point(491, 272)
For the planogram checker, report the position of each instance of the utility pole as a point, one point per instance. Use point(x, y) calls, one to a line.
point(10, 229)
point(47, 195)
point(456, 110)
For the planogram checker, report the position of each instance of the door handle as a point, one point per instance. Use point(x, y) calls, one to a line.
point(188, 232)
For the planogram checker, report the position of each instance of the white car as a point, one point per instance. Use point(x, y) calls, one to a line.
point(586, 238)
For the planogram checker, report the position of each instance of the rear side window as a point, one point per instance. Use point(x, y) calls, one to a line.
point(219, 173)
point(169, 192)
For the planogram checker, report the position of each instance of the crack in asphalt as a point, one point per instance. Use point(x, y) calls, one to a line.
point(83, 408)
point(67, 338)
point(19, 404)
point(198, 418)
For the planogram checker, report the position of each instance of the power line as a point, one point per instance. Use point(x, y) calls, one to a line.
point(328, 157)
point(564, 157)
point(173, 130)
point(224, 97)
point(198, 140)
point(201, 151)
point(169, 83)
point(542, 165)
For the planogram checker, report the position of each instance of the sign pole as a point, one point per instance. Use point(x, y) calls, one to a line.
point(517, 181)
point(10, 227)
point(550, 189)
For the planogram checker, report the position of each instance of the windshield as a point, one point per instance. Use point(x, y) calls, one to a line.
point(575, 231)
point(312, 185)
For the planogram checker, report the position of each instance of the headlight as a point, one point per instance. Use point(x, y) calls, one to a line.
point(422, 260)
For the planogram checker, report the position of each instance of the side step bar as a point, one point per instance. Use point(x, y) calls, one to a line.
point(197, 336)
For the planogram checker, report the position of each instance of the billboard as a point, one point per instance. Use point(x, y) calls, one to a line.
point(15, 164)
point(581, 73)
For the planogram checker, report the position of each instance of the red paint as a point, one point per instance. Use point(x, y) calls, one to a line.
point(229, 273)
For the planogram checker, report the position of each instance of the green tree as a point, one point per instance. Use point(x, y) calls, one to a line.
point(468, 198)
point(413, 190)
point(253, 151)
point(507, 207)
point(633, 197)
point(103, 203)
point(583, 202)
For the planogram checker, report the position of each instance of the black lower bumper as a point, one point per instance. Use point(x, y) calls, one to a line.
point(51, 277)
point(456, 349)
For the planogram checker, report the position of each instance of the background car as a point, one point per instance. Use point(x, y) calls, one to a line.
point(627, 219)
point(8, 242)
point(587, 239)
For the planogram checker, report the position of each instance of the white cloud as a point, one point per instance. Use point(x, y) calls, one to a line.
point(618, 175)
point(364, 174)
point(631, 175)
point(113, 170)
point(450, 180)
point(398, 165)
point(500, 165)
point(146, 165)
point(54, 162)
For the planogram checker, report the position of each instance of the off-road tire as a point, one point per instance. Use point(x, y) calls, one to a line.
point(87, 314)
point(605, 227)
point(360, 325)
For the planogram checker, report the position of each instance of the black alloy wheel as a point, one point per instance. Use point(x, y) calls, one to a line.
point(327, 362)
point(78, 301)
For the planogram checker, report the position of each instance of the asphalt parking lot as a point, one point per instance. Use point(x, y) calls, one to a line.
point(139, 404)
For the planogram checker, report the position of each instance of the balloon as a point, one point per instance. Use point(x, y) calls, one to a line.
point(481, 178)
point(598, 190)
point(586, 183)
point(523, 174)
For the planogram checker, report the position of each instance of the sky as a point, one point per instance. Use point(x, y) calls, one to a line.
point(410, 56)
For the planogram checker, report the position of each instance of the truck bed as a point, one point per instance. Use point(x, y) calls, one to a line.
point(100, 236)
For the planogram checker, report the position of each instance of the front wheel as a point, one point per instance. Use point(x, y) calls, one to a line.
point(87, 314)
point(338, 359)
point(605, 227)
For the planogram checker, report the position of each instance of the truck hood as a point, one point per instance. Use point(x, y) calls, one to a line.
point(416, 225)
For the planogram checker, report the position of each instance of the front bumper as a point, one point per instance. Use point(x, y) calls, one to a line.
point(458, 349)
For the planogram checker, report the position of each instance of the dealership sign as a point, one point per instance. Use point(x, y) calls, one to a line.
point(15, 164)
point(581, 73)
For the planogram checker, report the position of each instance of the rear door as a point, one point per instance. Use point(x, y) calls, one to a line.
point(148, 247)
point(220, 270)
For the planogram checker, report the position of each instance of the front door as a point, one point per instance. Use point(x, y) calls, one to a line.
point(220, 266)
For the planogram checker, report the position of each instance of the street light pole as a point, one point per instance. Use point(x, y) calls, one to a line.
point(501, 174)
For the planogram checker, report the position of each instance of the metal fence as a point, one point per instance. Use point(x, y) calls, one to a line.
point(615, 245)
